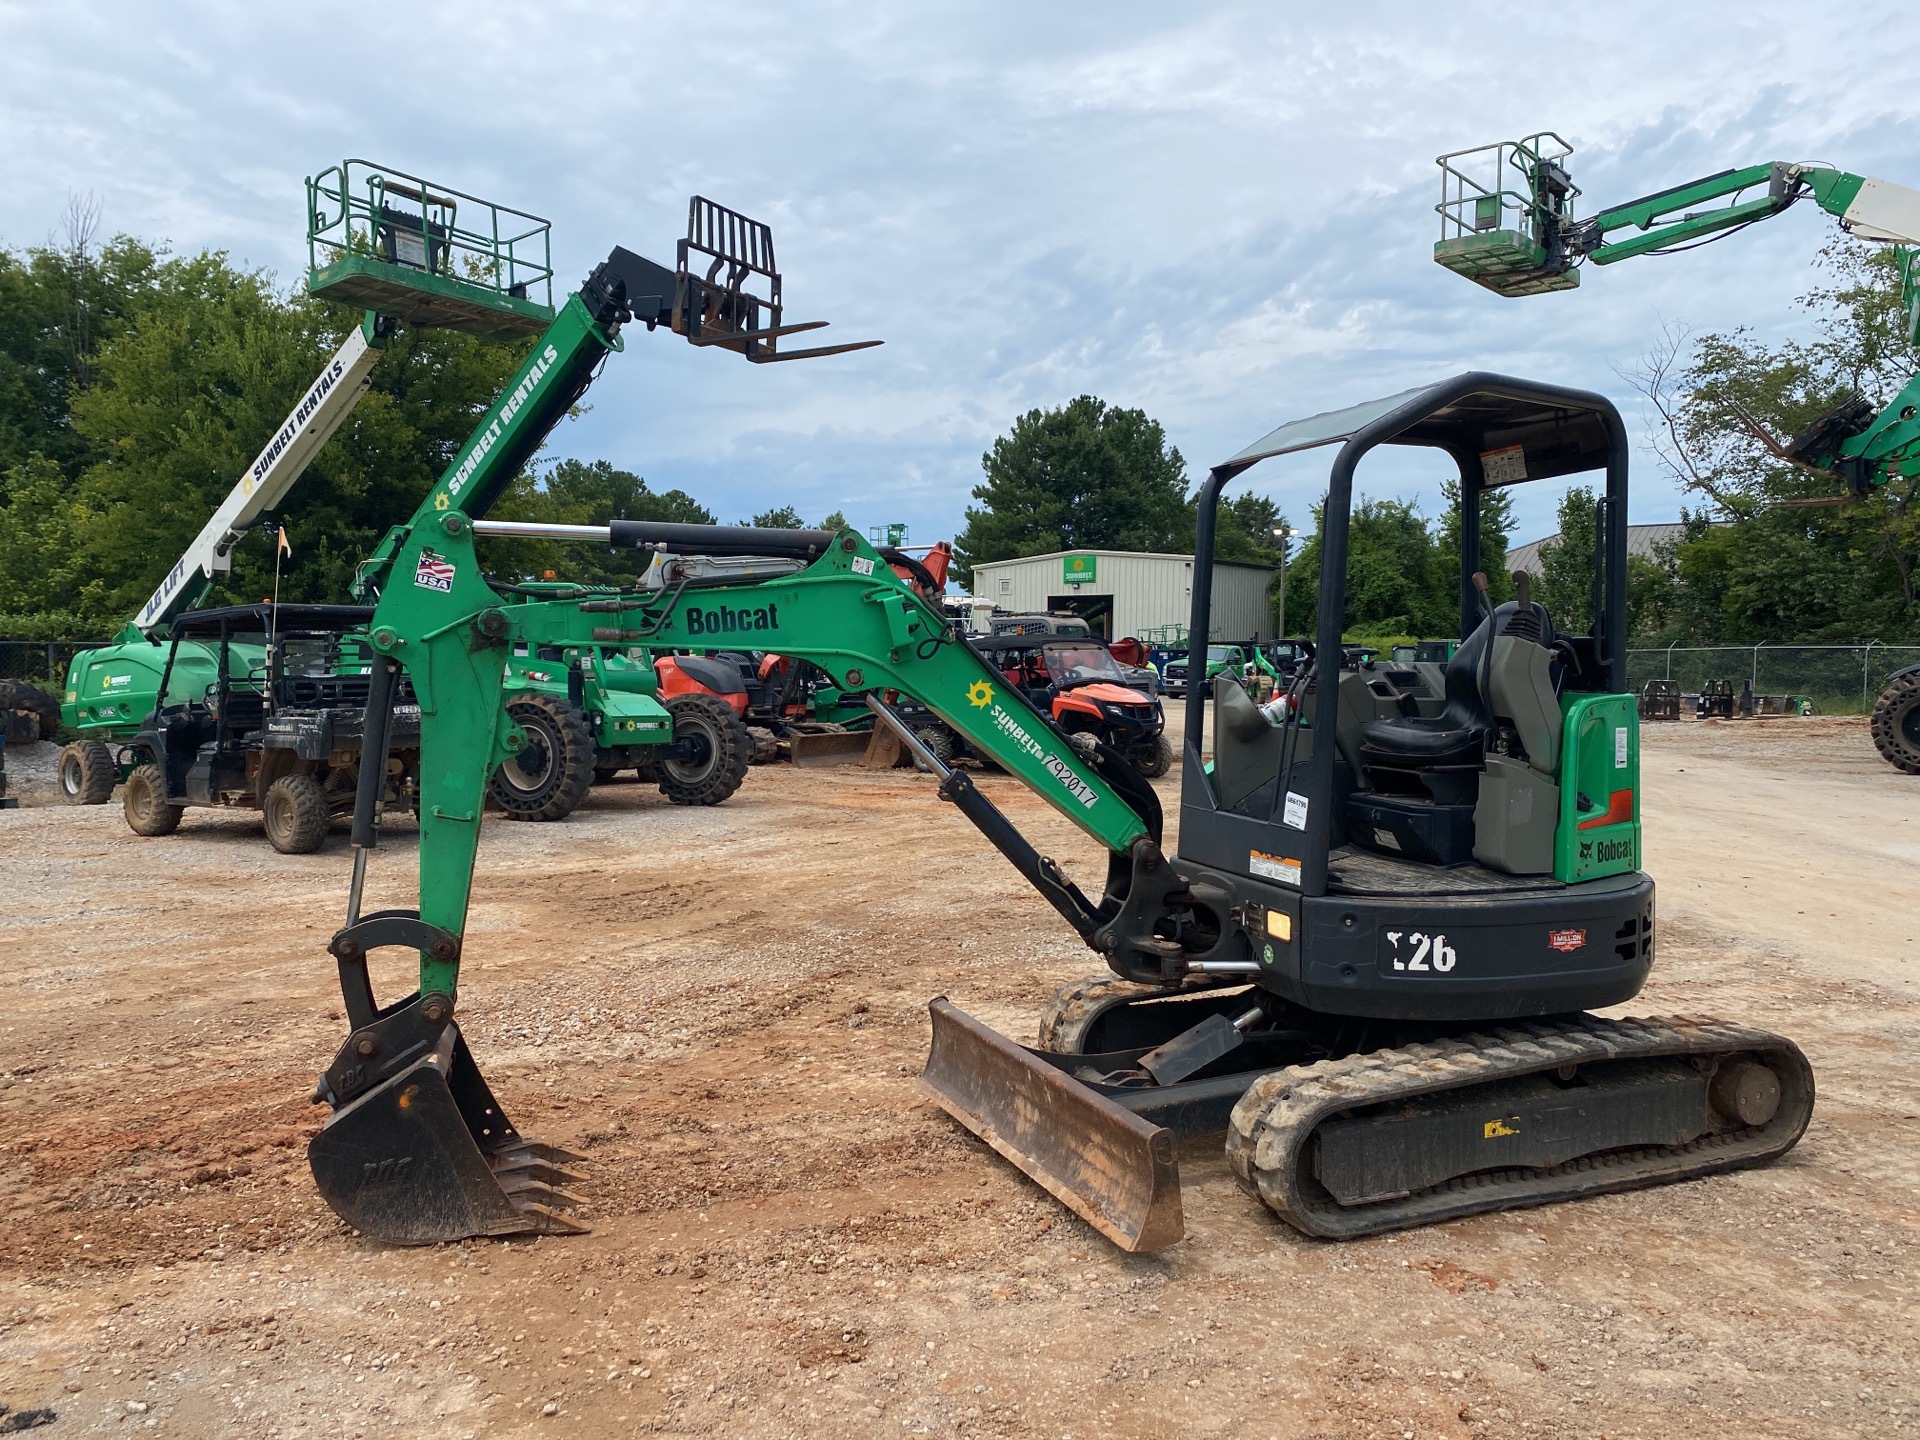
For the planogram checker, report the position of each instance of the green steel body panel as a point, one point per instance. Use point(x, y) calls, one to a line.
point(1599, 827)
point(617, 692)
point(112, 689)
point(415, 298)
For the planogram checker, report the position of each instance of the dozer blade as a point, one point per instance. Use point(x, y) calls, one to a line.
point(812, 750)
point(1118, 1172)
point(428, 1155)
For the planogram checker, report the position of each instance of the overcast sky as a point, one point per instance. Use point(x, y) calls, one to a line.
point(1221, 214)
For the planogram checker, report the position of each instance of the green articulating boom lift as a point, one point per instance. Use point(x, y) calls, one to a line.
point(1507, 223)
point(1368, 961)
point(376, 237)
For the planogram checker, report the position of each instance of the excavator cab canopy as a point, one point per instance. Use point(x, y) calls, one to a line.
point(1499, 431)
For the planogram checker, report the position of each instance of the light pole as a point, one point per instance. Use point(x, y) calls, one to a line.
point(1284, 534)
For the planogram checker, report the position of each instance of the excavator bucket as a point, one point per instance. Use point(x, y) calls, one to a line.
point(1115, 1170)
point(823, 748)
point(427, 1155)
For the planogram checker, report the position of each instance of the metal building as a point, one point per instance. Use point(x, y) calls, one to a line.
point(1126, 592)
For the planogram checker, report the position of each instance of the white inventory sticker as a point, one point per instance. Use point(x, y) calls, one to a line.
point(1296, 811)
point(1620, 747)
point(1274, 867)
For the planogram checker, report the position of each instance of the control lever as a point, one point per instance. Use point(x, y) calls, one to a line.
point(1486, 652)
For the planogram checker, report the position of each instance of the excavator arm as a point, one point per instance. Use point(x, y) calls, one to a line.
point(404, 1087)
point(1507, 224)
point(832, 599)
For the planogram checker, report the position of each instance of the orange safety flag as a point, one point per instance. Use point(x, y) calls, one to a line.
point(285, 548)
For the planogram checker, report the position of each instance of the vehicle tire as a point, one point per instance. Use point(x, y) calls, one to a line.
point(1896, 723)
point(31, 699)
point(722, 745)
point(938, 739)
point(550, 775)
point(87, 773)
point(1156, 759)
point(297, 815)
point(145, 804)
point(766, 745)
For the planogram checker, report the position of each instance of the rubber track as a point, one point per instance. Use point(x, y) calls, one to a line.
point(1267, 1139)
point(1075, 1006)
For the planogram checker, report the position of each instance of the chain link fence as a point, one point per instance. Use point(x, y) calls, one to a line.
point(1838, 679)
point(44, 662)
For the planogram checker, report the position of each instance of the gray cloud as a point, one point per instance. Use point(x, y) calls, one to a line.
point(1223, 216)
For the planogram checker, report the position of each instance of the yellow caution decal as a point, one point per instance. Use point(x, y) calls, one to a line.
point(1494, 1129)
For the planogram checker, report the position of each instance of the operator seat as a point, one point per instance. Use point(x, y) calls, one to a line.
point(1423, 774)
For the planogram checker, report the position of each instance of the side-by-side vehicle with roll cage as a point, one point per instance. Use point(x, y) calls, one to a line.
point(261, 708)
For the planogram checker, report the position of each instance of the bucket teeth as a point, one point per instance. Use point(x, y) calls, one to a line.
point(533, 1170)
point(427, 1155)
point(543, 1221)
point(524, 1191)
point(531, 1150)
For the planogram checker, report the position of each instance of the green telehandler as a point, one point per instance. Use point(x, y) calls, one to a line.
point(1507, 224)
point(1368, 961)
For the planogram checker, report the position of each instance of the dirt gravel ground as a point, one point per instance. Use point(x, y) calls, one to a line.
point(725, 1009)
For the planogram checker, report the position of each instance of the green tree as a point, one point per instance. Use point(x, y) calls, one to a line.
point(1086, 475)
point(1771, 568)
point(1496, 529)
point(58, 308)
point(1244, 529)
point(1396, 577)
point(189, 366)
point(1567, 563)
point(781, 517)
point(1403, 571)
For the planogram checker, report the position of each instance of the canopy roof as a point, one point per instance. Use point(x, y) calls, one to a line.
point(1557, 431)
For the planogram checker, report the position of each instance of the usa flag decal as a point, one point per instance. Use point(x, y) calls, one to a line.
point(433, 572)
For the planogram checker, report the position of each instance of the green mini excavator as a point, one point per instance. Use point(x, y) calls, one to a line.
point(1369, 961)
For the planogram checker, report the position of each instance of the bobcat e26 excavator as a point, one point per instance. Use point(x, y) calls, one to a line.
point(1368, 960)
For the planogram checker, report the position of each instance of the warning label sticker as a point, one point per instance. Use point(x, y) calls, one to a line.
point(1274, 867)
point(1503, 467)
